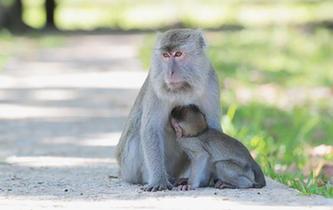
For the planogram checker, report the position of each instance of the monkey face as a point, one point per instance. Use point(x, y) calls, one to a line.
point(173, 60)
point(179, 62)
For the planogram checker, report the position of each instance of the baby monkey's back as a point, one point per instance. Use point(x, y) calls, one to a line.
point(229, 161)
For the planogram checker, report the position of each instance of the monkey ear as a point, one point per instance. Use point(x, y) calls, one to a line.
point(202, 38)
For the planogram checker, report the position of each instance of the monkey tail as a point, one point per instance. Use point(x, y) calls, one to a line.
point(259, 176)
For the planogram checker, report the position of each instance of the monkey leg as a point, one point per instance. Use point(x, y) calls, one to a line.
point(131, 165)
point(200, 171)
point(233, 176)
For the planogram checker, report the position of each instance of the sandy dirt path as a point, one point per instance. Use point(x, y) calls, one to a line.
point(61, 114)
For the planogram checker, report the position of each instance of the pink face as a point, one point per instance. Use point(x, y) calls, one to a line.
point(174, 61)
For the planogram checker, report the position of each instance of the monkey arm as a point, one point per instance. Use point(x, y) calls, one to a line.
point(200, 162)
point(152, 136)
point(200, 171)
point(209, 104)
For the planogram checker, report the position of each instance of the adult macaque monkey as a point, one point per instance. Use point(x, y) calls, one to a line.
point(180, 74)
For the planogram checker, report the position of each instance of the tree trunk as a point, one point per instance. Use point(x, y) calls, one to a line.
point(15, 13)
point(13, 17)
point(50, 6)
point(2, 16)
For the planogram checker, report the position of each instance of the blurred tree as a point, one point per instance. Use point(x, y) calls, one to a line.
point(50, 6)
point(11, 15)
point(2, 15)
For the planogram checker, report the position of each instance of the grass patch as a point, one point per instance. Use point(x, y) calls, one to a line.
point(280, 141)
point(257, 69)
point(284, 56)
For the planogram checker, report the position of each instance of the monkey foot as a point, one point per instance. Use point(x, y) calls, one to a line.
point(223, 185)
point(182, 184)
point(160, 187)
point(181, 181)
point(184, 187)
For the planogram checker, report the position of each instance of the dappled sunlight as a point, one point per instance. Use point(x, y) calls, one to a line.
point(261, 15)
point(53, 95)
point(15, 111)
point(276, 95)
point(97, 140)
point(114, 79)
point(142, 15)
point(53, 161)
point(110, 139)
point(207, 16)
point(133, 14)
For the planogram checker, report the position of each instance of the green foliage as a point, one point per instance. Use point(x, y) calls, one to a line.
point(146, 14)
point(292, 57)
point(279, 139)
point(269, 66)
point(5, 38)
point(306, 185)
point(6, 3)
point(279, 135)
point(33, 13)
point(145, 51)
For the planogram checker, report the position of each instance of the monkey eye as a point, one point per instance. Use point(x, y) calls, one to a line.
point(166, 55)
point(178, 54)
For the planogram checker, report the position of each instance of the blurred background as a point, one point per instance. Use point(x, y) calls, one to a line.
point(274, 60)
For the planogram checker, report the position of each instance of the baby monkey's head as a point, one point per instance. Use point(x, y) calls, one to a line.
point(188, 121)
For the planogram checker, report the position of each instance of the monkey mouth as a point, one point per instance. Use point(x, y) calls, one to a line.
point(174, 86)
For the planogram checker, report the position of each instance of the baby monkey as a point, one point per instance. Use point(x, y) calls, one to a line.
point(214, 155)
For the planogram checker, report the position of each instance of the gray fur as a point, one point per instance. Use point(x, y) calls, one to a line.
point(214, 154)
point(147, 152)
point(231, 160)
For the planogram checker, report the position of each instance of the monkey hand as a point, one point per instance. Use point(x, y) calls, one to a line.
point(177, 128)
point(158, 187)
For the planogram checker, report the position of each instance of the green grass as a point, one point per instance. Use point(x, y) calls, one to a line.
point(286, 62)
point(279, 140)
point(291, 57)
